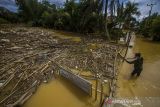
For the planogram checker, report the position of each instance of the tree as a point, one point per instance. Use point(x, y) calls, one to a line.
point(130, 10)
point(112, 9)
point(155, 29)
point(28, 9)
point(38, 13)
point(84, 16)
point(71, 16)
point(145, 25)
point(7, 16)
point(106, 20)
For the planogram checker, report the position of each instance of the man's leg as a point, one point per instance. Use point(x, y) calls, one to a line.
point(139, 72)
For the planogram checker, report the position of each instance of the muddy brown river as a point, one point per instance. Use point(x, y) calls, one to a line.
point(62, 93)
point(147, 85)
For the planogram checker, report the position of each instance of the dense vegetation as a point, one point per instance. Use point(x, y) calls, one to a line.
point(101, 17)
point(85, 16)
point(150, 27)
point(6, 16)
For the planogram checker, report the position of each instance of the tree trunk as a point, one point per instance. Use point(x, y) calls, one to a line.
point(106, 33)
point(112, 9)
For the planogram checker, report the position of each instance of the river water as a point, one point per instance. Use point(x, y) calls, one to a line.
point(62, 93)
point(148, 84)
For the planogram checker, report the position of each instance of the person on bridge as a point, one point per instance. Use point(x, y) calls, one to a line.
point(138, 64)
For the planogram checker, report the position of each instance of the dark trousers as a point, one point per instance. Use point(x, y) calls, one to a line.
point(137, 72)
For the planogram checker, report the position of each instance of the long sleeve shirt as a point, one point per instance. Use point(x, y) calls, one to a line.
point(138, 63)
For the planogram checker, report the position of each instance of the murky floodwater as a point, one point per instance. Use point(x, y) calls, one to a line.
point(148, 84)
point(62, 93)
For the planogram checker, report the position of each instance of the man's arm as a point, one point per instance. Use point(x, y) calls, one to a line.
point(130, 62)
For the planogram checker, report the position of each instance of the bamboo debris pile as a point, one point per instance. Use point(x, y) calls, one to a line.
point(24, 62)
point(95, 60)
point(30, 56)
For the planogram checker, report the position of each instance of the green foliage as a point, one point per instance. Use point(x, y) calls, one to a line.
point(85, 16)
point(38, 13)
point(149, 27)
point(46, 19)
point(155, 28)
point(29, 9)
point(3, 21)
point(130, 10)
point(7, 16)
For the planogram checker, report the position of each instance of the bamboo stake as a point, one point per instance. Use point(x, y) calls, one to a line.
point(96, 88)
point(128, 41)
point(101, 96)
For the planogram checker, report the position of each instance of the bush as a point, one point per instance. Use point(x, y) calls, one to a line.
point(155, 29)
point(3, 21)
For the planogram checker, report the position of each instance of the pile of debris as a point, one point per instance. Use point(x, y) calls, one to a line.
point(30, 56)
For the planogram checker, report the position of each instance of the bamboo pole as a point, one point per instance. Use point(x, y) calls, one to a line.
point(101, 96)
point(21, 76)
point(7, 81)
point(128, 41)
point(96, 88)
